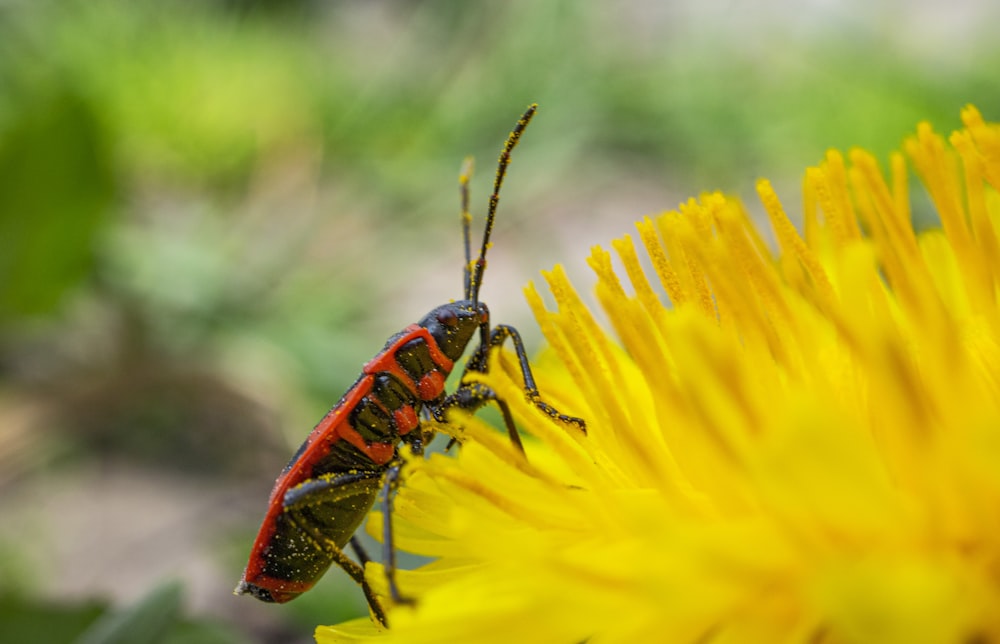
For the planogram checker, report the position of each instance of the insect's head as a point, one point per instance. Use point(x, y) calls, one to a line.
point(454, 324)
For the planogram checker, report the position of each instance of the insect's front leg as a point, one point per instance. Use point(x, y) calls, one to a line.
point(478, 363)
point(499, 334)
point(473, 395)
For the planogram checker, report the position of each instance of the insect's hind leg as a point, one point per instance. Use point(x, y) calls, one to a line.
point(300, 504)
point(363, 559)
point(354, 570)
point(359, 551)
point(357, 573)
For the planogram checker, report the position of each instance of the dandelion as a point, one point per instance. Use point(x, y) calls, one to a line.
point(803, 445)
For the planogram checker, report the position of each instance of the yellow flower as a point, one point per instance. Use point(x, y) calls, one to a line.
point(803, 446)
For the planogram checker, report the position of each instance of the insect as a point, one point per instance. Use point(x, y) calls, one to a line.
point(334, 479)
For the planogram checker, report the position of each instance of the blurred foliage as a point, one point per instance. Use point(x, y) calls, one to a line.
point(54, 201)
point(212, 212)
point(154, 619)
point(24, 620)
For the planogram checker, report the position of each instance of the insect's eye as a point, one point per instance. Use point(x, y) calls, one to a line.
point(447, 317)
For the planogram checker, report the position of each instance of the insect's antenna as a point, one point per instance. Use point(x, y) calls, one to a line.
point(512, 139)
point(463, 187)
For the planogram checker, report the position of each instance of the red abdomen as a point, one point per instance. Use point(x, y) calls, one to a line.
point(329, 486)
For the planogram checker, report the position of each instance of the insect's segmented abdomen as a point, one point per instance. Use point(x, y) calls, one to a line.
point(292, 543)
point(346, 452)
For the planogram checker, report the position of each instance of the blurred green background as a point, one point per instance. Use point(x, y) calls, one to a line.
point(212, 213)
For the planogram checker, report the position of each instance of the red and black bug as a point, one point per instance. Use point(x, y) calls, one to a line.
point(333, 480)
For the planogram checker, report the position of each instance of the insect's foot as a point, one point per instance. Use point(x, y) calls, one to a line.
point(573, 420)
point(404, 601)
point(537, 401)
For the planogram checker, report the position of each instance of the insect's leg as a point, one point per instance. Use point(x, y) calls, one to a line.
point(355, 488)
point(498, 335)
point(359, 551)
point(388, 540)
point(357, 573)
point(473, 395)
point(389, 486)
